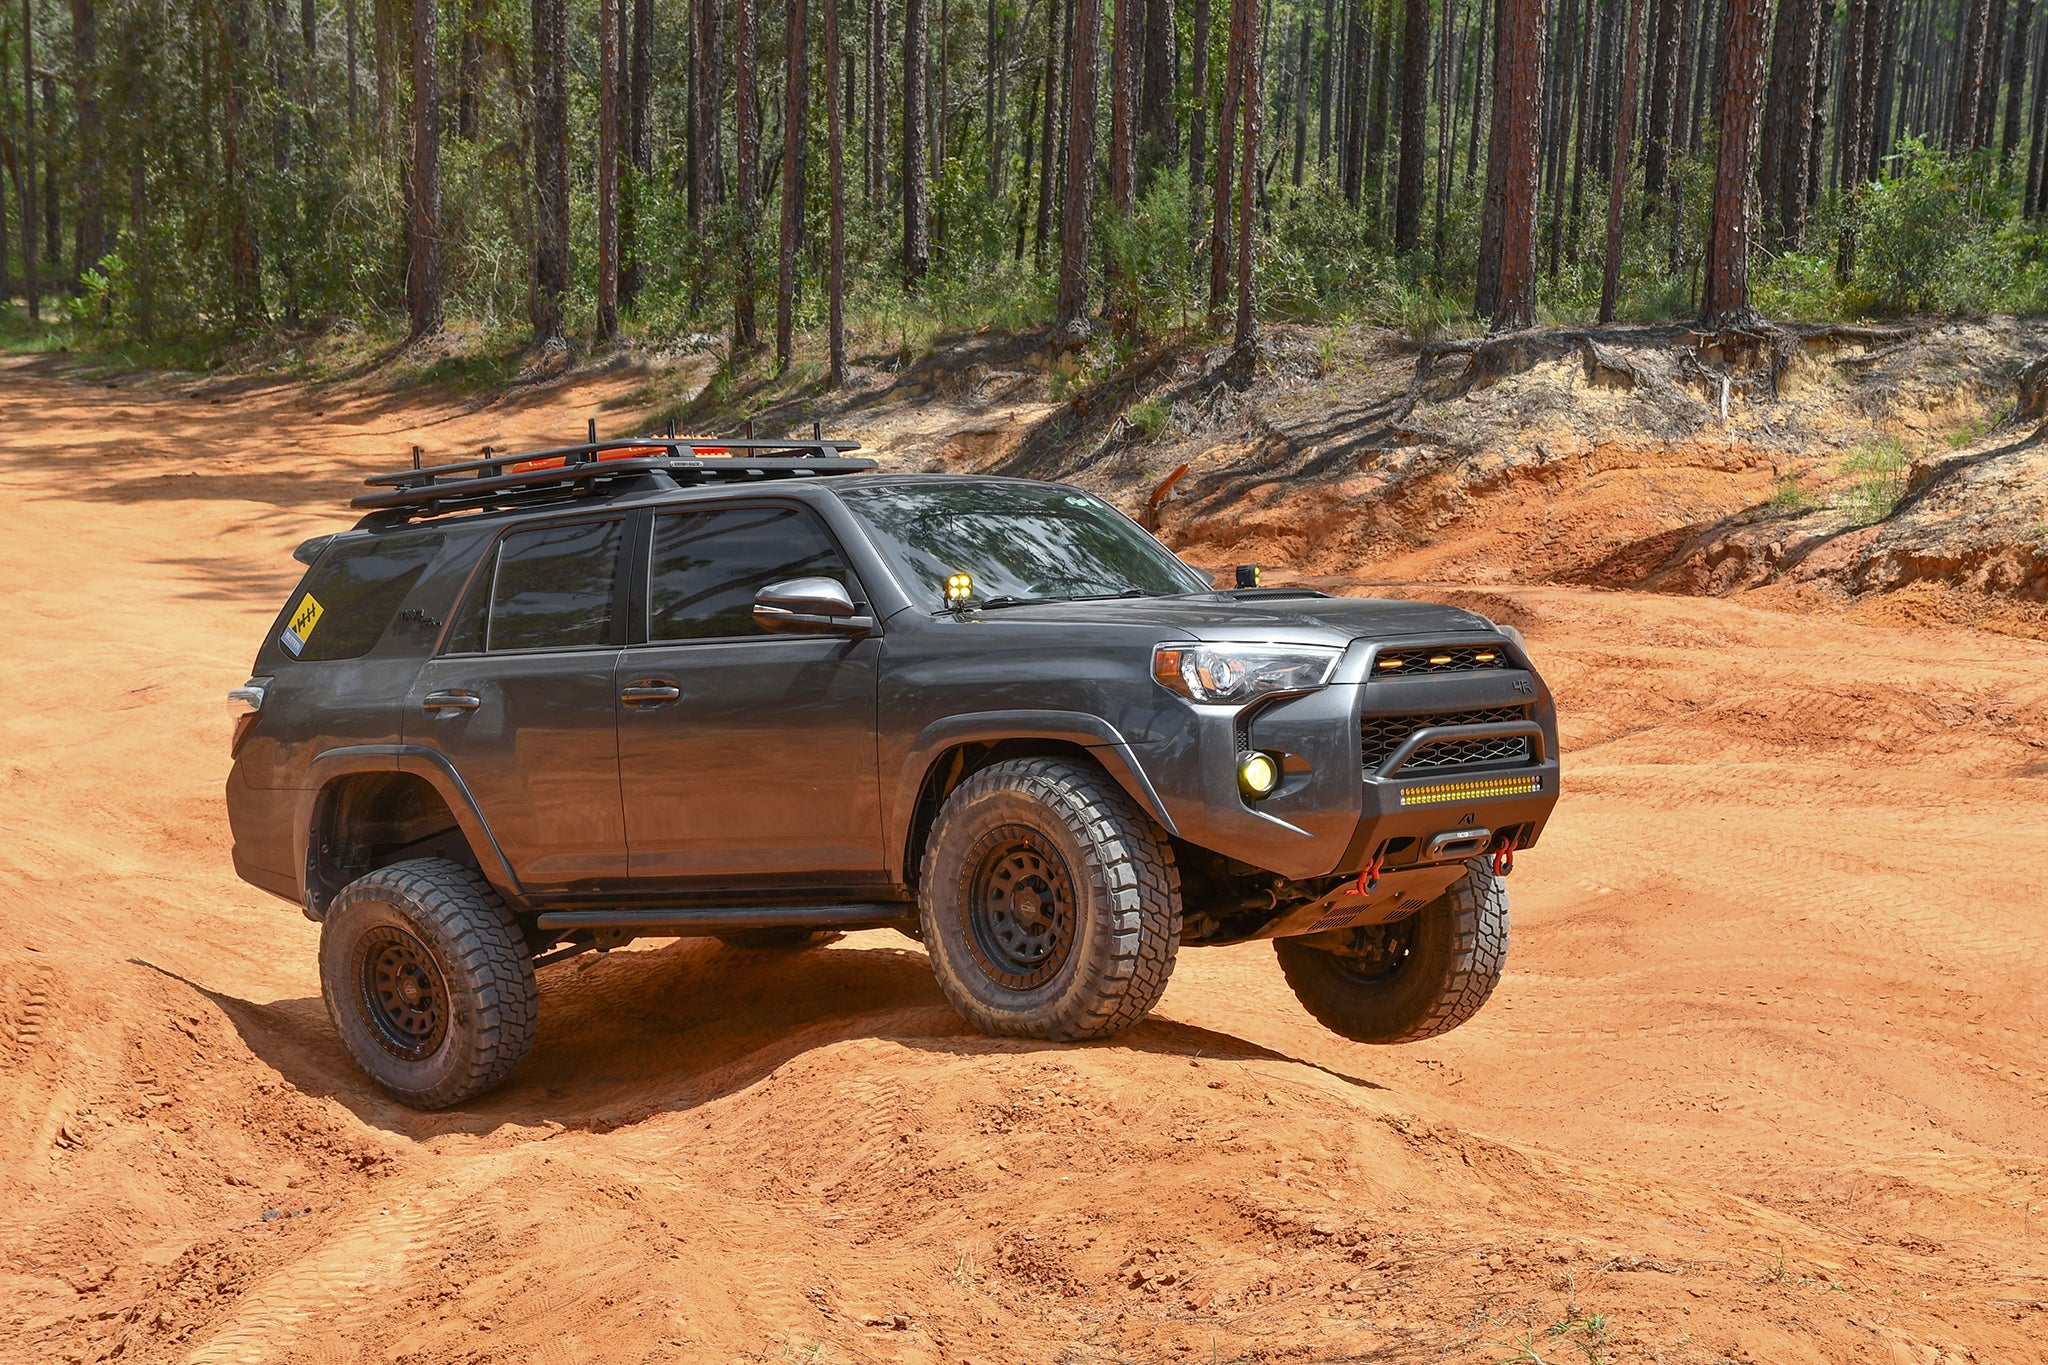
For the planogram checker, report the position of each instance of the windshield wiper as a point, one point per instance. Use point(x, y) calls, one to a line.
point(1007, 600)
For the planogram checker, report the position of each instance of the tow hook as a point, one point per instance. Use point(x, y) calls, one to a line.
point(1369, 876)
point(1504, 859)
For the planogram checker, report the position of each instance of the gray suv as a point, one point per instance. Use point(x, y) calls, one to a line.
point(541, 704)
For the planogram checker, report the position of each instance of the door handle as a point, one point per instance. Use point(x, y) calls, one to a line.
point(650, 692)
point(450, 701)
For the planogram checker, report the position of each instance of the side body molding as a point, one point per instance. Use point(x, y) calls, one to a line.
point(1102, 740)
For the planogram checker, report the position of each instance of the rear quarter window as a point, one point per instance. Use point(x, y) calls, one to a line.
point(344, 605)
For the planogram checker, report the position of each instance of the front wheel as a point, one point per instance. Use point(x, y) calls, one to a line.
point(1049, 902)
point(1413, 979)
point(428, 981)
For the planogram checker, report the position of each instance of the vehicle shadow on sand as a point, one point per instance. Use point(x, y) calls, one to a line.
point(630, 1035)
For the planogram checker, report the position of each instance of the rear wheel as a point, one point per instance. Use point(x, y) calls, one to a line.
point(428, 981)
point(1049, 902)
point(1413, 979)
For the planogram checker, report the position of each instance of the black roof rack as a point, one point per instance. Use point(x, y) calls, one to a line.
point(496, 481)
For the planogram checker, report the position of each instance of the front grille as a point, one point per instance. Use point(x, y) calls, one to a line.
point(1381, 735)
point(1399, 663)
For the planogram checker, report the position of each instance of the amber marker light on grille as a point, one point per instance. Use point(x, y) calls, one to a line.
point(1390, 663)
point(1439, 659)
point(1479, 789)
point(1485, 658)
point(959, 587)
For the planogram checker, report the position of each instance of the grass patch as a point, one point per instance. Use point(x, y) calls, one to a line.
point(1151, 416)
point(1877, 474)
point(1790, 498)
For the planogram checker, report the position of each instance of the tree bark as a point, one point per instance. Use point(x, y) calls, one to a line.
point(608, 46)
point(550, 167)
point(835, 188)
point(92, 231)
point(1323, 87)
point(796, 48)
point(1374, 190)
point(917, 244)
point(1788, 117)
point(1624, 133)
point(423, 181)
point(746, 334)
point(1972, 44)
point(1157, 135)
point(469, 70)
point(1301, 103)
point(1414, 124)
point(1124, 59)
point(1518, 104)
point(1663, 97)
point(1198, 115)
point(1080, 179)
point(639, 150)
point(245, 277)
point(350, 40)
point(2015, 76)
point(1224, 179)
point(1724, 298)
point(1244, 350)
point(1351, 167)
point(1048, 149)
point(27, 172)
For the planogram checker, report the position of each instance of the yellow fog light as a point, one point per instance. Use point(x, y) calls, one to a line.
point(1257, 774)
point(959, 587)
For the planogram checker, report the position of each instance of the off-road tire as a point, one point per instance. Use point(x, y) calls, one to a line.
point(1458, 946)
point(1117, 868)
point(430, 914)
point(779, 940)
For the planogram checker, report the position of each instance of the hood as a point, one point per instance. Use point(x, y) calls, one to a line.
point(1255, 616)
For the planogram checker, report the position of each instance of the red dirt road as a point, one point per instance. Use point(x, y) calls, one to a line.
point(1764, 1082)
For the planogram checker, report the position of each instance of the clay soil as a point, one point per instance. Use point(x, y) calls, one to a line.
point(1764, 1081)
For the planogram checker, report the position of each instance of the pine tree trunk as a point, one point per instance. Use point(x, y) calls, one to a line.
point(1157, 136)
point(469, 70)
point(746, 332)
point(1078, 204)
point(1124, 59)
point(835, 188)
point(1624, 133)
point(1724, 298)
point(1849, 140)
point(639, 150)
point(1198, 117)
point(1518, 117)
point(92, 232)
point(550, 167)
point(608, 49)
point(2015, 76)
point(1414, 124)
point(1245, 344)
point(1561, 130)
point(2037, 158)
point(351, 40)
point(1994, 64)
point(1352, 170)
point(1221, 185)
point(1972, 44)
point(796, 48)
point(1374, 190)
point(1663, 95)
point(917, 244)
point(1788, 116)
point(1301, 103)
point(423, 181)
point(1048, 147)
point(1323, 87)
point(27, 169)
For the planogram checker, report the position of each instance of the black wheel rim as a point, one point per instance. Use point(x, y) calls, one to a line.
point(402, 993)
point(1017, 902)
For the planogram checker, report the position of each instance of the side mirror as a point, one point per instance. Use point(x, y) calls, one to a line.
point(809, 606)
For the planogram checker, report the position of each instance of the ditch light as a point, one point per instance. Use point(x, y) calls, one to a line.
point(1478, 789)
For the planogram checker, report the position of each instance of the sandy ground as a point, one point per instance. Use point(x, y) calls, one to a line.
point(1764, 1082)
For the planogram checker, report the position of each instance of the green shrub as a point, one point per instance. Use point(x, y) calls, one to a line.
point(1878, 473)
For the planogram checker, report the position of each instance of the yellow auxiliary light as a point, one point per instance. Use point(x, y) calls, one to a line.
point(1258, 774)
point(1486, 658)
point(959, 587)
point(1438, 793)
point(1394, 662)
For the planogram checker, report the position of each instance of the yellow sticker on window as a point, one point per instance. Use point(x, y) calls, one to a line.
point(300, 628)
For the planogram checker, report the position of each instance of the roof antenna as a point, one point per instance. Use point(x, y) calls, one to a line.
point(750, 428)
point(593, 431)
point(415, 457)
point(671, 428)
point(817, 431)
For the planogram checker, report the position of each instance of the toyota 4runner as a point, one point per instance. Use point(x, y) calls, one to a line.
point(540, 704)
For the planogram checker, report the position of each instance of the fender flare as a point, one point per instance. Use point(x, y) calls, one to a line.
point(1104, 743)
point(418, 761)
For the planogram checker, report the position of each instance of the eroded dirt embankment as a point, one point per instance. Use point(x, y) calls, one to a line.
point(1893, 472)
point(1763, 1082)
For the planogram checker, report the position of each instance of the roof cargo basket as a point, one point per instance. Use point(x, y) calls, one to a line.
point(500, 481)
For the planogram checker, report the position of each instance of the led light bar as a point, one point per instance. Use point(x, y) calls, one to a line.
point(1479, 789)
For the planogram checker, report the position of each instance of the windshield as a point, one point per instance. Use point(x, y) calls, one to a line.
point(1019, 541)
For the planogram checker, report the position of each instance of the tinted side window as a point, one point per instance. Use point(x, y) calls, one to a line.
point(707, 567)
point(347, 601)
point(554, 587)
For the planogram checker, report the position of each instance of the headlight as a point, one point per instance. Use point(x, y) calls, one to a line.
point(1238, 673)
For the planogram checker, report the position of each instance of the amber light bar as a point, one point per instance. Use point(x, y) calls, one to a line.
point(1479, 789)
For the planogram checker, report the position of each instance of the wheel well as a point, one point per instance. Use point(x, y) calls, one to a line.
point(365, 821)
point(955, 765)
